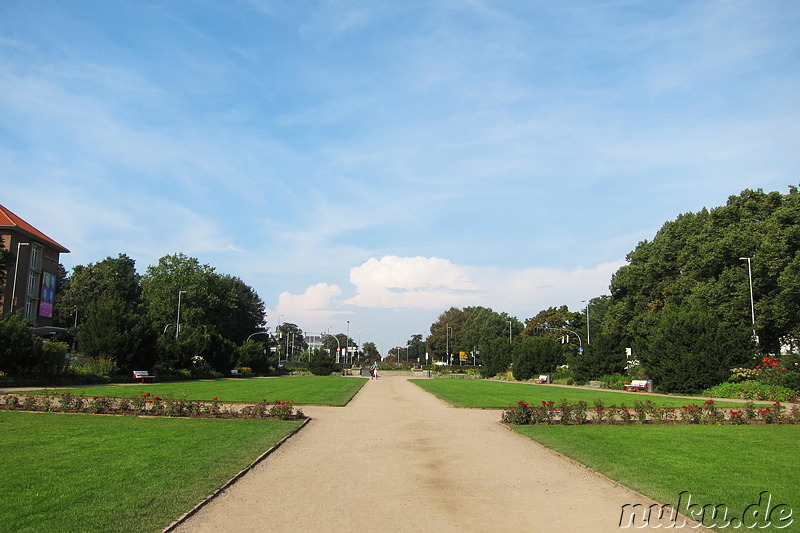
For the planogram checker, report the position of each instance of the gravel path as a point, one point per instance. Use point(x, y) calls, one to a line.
point(399, 459)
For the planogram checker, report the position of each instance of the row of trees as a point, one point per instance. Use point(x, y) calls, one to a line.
point(180, 314)
point(681, 306)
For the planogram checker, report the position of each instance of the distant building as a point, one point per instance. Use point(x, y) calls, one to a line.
point(31, 279)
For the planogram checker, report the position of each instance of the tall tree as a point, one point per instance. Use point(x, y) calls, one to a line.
point(110, 280)
point(7, 258)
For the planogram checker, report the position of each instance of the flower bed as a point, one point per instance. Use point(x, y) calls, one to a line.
point(646, 412)
point(149, 405)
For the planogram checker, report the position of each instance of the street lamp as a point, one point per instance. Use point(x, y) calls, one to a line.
point(752, 301)
point(347, 343)
point(587, 322)
point(509, 332)
point(338, 345)
point(447, 355)
point(16, 271)
point(178, 320)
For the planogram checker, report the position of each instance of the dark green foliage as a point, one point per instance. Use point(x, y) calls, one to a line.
point(7, 258)
point(463, 330)
point(322, 364)
point(691, 350)
point(20, 349)
point(496, 356)
point(535, 355)
point(605, 355)
point(255, 354)
point(114, 331)
point(697, 258)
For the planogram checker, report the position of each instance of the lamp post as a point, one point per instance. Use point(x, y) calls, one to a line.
point(338, 344)
point(178, 320)
point(347, 343)
point(752, 301)
point(448, 359)
point(587, 321)
point(509, 332)
point(16, 271)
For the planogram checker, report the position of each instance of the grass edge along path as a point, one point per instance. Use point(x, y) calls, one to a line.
point(713, 465)
point(485, 394)
point(334, 391)
point(75, 472)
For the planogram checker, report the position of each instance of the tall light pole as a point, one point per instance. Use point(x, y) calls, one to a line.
point(16, 272)
point(509, 332)
point(447, 354)
point(752, 300)
point(347, 343)
point(178, 320)
point(587, 321)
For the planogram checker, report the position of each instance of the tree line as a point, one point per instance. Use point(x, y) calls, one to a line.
point(679, 312)
point(683, 311)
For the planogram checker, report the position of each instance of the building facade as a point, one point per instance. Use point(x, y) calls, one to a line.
point(32, 277)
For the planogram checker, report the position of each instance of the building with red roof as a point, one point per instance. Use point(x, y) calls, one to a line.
point(31, 280)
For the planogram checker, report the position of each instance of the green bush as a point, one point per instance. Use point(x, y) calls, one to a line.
point(322, 364)
point(752, 390)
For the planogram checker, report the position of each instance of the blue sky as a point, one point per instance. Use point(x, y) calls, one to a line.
point(380, 162)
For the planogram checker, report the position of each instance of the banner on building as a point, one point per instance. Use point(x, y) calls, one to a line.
point(48, 297)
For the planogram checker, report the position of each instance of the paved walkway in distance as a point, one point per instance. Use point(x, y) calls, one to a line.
point(399, 459)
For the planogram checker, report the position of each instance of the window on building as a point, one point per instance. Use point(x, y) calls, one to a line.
point(36, 257)
point(33, 284)
point(30, 309)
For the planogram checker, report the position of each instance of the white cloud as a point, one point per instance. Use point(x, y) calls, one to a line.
point(432, 283)
point(402, 282)
point(311, 310)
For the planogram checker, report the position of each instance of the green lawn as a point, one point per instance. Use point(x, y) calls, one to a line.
point(482, 394)
point(65, 473)
point(728, 465)
point(302, 390)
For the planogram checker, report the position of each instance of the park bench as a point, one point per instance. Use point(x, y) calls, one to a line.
point(418, 370)
point(542, 380)
point(637, 385)
point(143, 375)
point(236, 374)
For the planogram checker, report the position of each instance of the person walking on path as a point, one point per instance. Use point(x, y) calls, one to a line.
point(374, 370)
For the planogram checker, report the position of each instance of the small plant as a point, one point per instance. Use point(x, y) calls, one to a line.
point(10, 401)
point(738, 418)
point(518, 414)
point(691, 414)
point(581, 412)
point(29, 403)
point(627, 416)
point(711, 415)
point(566, 412)
point(282, 410)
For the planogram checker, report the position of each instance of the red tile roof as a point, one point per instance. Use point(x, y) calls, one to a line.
point(9, 219)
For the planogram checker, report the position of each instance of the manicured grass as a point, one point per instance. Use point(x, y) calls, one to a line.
point(482, 394)
point(302, 390)
point(65, 472)
point(727, 465)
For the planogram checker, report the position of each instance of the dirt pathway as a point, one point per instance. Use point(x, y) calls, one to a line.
point(398, 459)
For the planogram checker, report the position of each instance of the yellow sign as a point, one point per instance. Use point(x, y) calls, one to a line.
point(463, 355)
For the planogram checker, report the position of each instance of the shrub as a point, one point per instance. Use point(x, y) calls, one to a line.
point(322, 364)
point(752, 390)
point(518, 414)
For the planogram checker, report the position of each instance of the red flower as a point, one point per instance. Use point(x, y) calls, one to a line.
point(215, 398)
point(156, 398)
point(709, 402)
point(94, 398)
point(146, 395)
